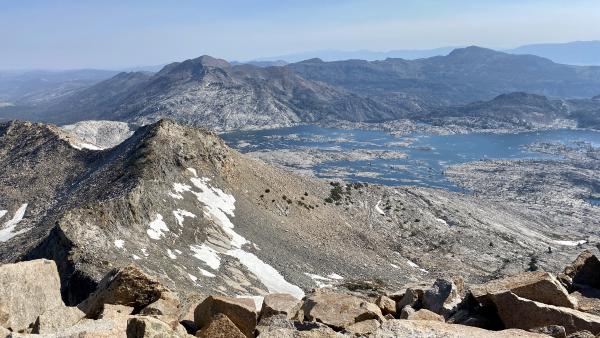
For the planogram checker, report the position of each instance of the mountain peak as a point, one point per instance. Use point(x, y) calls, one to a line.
point(472, 51)
point(209, 61)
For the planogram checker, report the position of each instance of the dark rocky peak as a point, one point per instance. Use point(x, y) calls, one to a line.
point(194, 69)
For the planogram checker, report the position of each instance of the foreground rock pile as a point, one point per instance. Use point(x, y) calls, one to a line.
point(128, 303)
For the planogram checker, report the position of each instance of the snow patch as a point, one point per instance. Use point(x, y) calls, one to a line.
point(192, 277)
point(442, 221)
point(180, 214)
point(2, 213)
point(119, 243)
point(207, 254)
point(206, 273)
point(322, 282)
point(335, 276)
point(217, 206)
point(414, 265)
point(394, 266)
point(84, 145)
point(378, 209)
point(145, 253)
point(171, 254)
point(136, 257)
point(571, 243)
point(266, 274)
point(157, 227)
point(6, 232)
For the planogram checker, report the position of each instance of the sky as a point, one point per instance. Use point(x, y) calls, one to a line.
point(115, 34)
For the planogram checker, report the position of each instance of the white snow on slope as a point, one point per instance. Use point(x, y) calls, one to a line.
point(207, 254)
point(206, 273)
point(378, 209)
point(2, 213)
point(218, 207)
point(119, 243)
point(320, 281)
point(6, 232)
point(335, 276)
point(157, 227)
point(414, 265)
point(171, 254)
point(266, 274)
point(180, 214)
point(571, 243)
point(82, 145)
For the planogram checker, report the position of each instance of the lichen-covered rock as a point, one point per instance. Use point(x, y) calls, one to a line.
point(240, 311)
point(28, 290)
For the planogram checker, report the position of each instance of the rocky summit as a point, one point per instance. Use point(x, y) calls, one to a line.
point(129, 303)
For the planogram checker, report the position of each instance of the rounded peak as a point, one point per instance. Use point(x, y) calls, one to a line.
point(313, 60)
point(209, 61)
point(472, 51)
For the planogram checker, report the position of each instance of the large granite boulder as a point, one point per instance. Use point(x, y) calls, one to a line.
point(28, 290)
point(522, 313)
point(584, 271)
point(124, 286)
point(538, 286)
point(338, 310)
point(443, 297)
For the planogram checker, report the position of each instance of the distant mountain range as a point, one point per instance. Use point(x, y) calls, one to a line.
point(216, 94)
point(572, 53)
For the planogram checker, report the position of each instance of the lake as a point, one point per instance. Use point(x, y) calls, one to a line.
point(427, 155)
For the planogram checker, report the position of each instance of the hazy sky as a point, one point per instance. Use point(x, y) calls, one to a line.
point(123, 33)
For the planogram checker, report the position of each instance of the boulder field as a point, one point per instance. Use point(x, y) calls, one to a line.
point(130, 303)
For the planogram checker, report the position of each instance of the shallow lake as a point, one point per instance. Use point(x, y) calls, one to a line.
point(428, 155)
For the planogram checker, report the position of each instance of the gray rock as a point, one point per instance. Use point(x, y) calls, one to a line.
point(555, 331)
point(517, 312)
point(55, 320)
point(127, 286)
point(28, 290)
point(338, 310)
point(443, 297)
point(538, 286)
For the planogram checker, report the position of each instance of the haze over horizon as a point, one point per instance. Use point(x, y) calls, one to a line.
point(115, 35)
